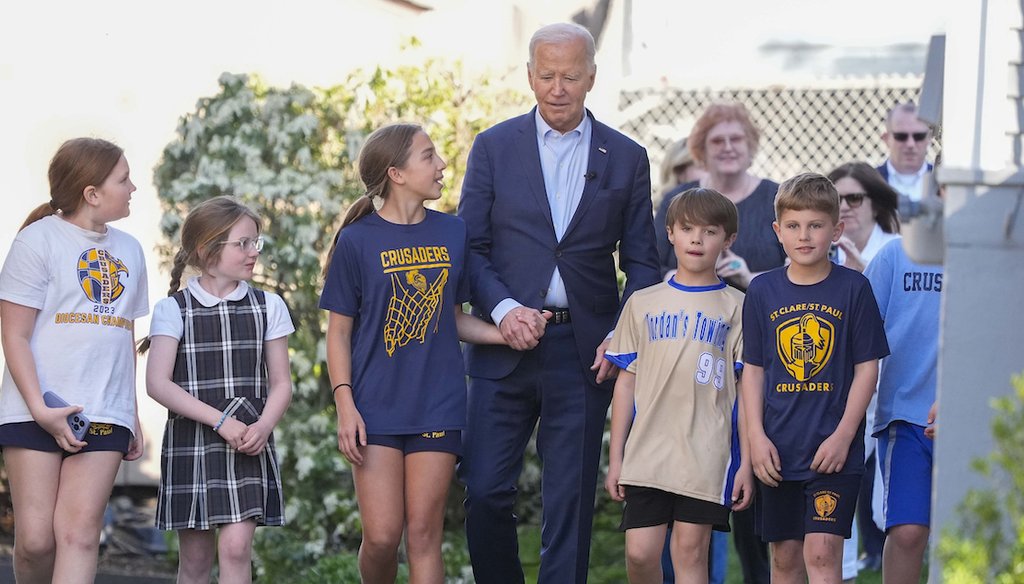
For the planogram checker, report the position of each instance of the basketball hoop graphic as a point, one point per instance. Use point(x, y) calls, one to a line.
point(414, 304)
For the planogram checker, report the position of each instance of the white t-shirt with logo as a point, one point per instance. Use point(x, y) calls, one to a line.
point(88, 288)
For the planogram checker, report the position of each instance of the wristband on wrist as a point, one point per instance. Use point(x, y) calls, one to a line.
point(335, 390)
point(220, 422)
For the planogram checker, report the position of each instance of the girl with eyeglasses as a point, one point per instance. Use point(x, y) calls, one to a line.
point(868, 210)
point(70, 291)
point(219, 363)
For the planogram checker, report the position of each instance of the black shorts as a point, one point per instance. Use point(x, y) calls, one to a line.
point(449, 441)
point(101, 437)
point(823, 504)
point(647, 507)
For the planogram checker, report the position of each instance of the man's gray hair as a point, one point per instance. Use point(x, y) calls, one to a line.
point(907, 107)
point(561, 33)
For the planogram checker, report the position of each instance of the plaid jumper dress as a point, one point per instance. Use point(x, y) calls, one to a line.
point(203, 481)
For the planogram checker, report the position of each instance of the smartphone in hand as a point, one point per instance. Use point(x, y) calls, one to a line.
point(78, 422)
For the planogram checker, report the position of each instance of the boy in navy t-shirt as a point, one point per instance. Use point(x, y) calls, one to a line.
point(812, 338)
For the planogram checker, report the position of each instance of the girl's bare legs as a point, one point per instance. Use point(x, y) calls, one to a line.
point(234, 549)
point(427, 478)
point(34, 477)
point(230, 545)
point(380, 486)
point(196, 552)
point(85, 483)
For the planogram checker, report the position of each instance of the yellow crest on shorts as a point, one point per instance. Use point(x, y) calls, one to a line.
point(825, 504)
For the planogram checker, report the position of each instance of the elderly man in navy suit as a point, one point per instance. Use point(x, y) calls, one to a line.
point(548, 198)
point(907, 137)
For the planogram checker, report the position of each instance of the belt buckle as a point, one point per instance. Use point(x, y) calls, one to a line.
point(558, 315)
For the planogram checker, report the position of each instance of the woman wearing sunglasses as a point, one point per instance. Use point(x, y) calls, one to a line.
point(867, 207)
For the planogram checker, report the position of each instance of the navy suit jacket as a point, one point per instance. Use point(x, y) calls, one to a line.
point(513, 249)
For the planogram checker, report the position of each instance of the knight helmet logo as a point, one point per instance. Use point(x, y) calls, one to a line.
point(805, 344)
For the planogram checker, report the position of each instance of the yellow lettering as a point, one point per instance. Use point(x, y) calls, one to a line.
point(832, 311)
point(429, 256)
point(803, 387)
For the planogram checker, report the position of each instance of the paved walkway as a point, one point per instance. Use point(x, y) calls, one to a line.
point(7, 577)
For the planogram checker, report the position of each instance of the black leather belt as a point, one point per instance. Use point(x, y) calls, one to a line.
point(558, 315)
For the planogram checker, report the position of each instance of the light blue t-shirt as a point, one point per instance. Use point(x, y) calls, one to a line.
point(908, 296)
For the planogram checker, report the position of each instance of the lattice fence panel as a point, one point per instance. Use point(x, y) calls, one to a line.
point(802, 128)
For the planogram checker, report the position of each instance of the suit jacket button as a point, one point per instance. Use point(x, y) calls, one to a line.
point(558, 254)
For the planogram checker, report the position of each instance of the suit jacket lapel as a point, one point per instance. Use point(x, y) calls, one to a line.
point(530, 159)
point(596, 168)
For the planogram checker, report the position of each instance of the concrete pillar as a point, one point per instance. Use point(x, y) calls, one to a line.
point(982, 338)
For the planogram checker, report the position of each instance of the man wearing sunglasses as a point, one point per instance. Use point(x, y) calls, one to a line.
point(907, 138)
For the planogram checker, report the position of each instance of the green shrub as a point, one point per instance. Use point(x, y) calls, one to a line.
point(988, 547)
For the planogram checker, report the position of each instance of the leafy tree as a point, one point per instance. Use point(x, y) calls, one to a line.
point(989, 545)
point(289, 153)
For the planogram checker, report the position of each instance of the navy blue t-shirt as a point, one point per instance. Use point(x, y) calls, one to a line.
point(808, 339)
point(402, 285)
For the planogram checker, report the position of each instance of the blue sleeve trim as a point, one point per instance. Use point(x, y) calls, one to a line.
point(620, 360)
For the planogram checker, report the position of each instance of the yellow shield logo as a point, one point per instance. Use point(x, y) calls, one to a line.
point(804, 344)
point(825, 504)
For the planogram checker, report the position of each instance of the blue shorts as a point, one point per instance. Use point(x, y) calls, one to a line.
point(449, 441)
point(905, 455)
point(100, 438)
point(823, 504)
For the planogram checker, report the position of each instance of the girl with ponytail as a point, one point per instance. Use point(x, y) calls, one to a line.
point(219, 363)
point(394, 289)
point(70, 291)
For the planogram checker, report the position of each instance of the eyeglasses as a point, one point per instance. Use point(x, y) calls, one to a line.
point(722, 141)
point(247, 243)
point(903, 136)
point(853, 200)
